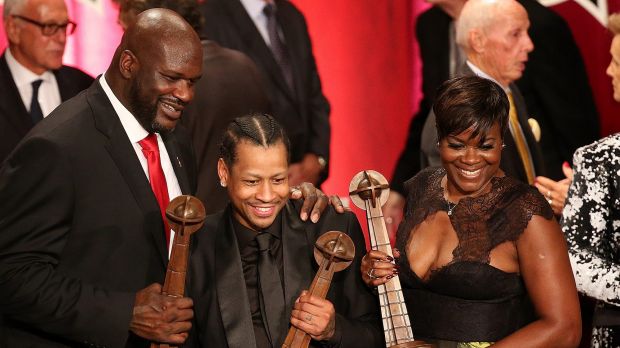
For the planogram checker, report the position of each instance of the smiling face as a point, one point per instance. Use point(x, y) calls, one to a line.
point(37, 52)
point(504, 44)
point(257, 183)
point(164, 84)
point(470, 162)
point(613, 70)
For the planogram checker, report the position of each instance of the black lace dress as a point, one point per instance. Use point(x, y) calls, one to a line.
point(468, 300)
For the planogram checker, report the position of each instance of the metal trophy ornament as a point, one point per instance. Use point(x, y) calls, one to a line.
point(369, 191)
point(333, 251)
point(186, 215)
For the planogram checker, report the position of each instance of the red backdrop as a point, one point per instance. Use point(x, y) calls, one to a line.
point(367, 57)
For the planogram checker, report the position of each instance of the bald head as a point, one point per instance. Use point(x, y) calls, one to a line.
point(159, 29)
point(493, 34)
point(154, 68)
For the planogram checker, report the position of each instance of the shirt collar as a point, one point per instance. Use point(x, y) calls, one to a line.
point(482, 74)
point(22, 75)
point(132, 127)
point(246, 235)
point(254, 8)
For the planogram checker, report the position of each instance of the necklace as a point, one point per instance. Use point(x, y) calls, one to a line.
point(451, 207)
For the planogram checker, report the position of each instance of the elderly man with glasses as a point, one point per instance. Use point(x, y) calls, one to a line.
point(32, 78)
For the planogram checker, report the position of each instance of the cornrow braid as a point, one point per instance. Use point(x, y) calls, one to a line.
point(258, 129)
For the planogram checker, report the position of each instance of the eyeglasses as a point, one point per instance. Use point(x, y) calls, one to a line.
point(49, 29)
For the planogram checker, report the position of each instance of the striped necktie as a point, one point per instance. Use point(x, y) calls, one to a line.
point(519, 138)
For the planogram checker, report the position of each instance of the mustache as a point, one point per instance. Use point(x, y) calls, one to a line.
point(173, 101)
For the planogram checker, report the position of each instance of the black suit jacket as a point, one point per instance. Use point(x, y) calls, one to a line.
point(81, 228)
point(230, 86)
point(511, 162)
point(304, 111)
point(217, 285)
point(554, 85)
point(15, 120)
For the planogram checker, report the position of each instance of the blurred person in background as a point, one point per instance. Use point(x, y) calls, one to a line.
point(591, 219)
point(275, 36)
point(32, 78)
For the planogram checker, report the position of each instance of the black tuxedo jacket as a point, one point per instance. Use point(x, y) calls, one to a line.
point(554, 85)
point(511, 162)
point(217, 285)
point(230, 86)
point(81, 228)
point(304, 111)
point(15, 120)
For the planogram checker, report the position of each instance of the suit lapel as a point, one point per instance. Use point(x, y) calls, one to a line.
point(257, 48)
point(66, 88)
point(178, 162)
point(11, 101)
point(533, 145)
point(291, 38)
point(124, 156)
point(232, 296)
point(297, 256)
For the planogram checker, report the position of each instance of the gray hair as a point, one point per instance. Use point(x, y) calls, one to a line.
point(12, 7)
point(476, 14)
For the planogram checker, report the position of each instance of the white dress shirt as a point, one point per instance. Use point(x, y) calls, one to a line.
point(254, 8)
point(49, 94)
point(136, 132)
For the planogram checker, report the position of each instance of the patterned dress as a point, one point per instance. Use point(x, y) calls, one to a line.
point(591, 222)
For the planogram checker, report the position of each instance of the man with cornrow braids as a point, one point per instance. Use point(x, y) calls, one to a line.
point(235, 303)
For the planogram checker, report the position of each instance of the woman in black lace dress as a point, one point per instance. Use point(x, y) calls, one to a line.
point(482, 259)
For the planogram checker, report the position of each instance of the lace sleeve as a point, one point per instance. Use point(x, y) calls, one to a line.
point(590, 220)
point(421, 197)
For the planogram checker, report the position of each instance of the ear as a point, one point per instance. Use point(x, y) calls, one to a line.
point(128, 64)
point(12, 29)
point(477, 40)
point(222, 172)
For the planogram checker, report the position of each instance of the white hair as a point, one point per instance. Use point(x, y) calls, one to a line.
point(12, 7)
point(476, 15)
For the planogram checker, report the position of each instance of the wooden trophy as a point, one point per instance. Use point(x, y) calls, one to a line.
point(186, 215)
point(369, 190)
point(333, 251)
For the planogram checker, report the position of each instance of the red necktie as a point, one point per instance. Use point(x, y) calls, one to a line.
point(157, 178)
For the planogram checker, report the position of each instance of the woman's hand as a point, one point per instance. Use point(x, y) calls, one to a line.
point(555, 191)
point(378, 267)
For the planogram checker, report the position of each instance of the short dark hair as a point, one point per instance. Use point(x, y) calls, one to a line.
point(188, 9)
point(470, 102)
point(257, 129)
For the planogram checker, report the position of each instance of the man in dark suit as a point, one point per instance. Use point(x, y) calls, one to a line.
point(81, 201)
point(36, 31)
point(554, 85)
point(496, 45)
point(231, 86)
point(260, 238)
point(276, 38)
